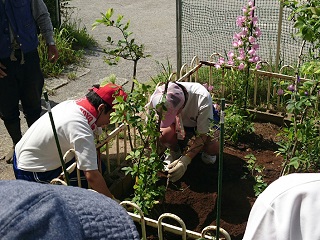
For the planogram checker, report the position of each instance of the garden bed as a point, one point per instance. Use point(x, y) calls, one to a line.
point(194, 197)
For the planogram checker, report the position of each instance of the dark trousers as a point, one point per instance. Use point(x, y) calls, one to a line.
point(24, 82)
point(46, 177)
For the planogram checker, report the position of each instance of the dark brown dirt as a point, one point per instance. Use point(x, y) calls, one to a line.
point(194, 197)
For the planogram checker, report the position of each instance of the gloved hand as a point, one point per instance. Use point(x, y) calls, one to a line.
point(178, 167)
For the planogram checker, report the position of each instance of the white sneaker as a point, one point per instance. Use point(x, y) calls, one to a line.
point(208, 159)
point(172, 156)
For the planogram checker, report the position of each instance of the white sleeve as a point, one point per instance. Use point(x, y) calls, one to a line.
point(83, 142)
point(205, 114)
point(261, 223)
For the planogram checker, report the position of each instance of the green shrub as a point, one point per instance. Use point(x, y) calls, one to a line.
point(238, 123)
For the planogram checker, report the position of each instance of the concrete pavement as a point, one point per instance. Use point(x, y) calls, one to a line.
point(152, 24)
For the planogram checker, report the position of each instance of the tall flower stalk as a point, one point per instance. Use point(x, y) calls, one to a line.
point(245, 44)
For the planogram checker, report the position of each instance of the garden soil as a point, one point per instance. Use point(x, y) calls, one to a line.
point(194, 197)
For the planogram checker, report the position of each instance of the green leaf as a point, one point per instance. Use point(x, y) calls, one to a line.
point(294, 163)
point(109, 13)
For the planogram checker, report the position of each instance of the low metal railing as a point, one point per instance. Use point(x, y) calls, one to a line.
point(161, 226)
point(158, 224)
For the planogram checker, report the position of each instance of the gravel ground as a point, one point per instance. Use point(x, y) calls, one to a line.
point(152, 24)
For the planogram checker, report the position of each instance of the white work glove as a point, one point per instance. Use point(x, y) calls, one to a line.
point(178, 168)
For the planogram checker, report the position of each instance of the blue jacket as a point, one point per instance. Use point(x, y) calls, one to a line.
point(19, 14)
point(30, 210)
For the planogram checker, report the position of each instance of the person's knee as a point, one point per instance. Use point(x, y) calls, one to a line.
point(211, 146)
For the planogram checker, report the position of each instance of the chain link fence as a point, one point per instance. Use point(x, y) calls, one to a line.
point(207, 27)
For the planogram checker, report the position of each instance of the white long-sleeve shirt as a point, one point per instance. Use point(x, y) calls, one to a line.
point(289, 209)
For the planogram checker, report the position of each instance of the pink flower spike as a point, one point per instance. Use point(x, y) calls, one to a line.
point(241, 66)
point(252, 51)
point(252, 39)
point(230, 55)
point(217, 66)
point(235, 44)
point(257, 32)
point(244, 32)
point(210, 88)
point(242, 55)
point(221, 61)
point(240, 21)
point(231, 62)
point(254, 20)
point(255, 46)
point(244, 9)
point(250, 3)
point(258, 66)
point(236, 36)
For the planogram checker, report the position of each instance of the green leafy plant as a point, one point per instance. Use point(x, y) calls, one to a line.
point(237, 123)
point(74, 28)
point(72, 75)
point(67, 55)
point(70, 37)
point(144, 159)
point(256, 172)
point(125, 48)
point(165, 72)
point(301, 141)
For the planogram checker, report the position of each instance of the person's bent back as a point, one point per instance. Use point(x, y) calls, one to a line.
point(288, 209)
point(30, 210)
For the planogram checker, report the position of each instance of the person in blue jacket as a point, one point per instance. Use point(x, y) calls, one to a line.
point(21, 78)
point(31, 210)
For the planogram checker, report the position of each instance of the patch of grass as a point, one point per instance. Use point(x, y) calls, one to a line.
point(72, 76)
point(71, 39)
point(67, 55)
point(79, 34)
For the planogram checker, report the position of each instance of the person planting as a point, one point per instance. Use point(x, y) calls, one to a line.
point(36, 157)
point(187, 111)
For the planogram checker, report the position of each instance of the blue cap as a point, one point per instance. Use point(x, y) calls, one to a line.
point(30, 210)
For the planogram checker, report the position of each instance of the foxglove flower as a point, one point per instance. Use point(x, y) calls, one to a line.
point(210, 88)
point(241, 66)
point(291, 87)
point(280, 92)
point(244, 44)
